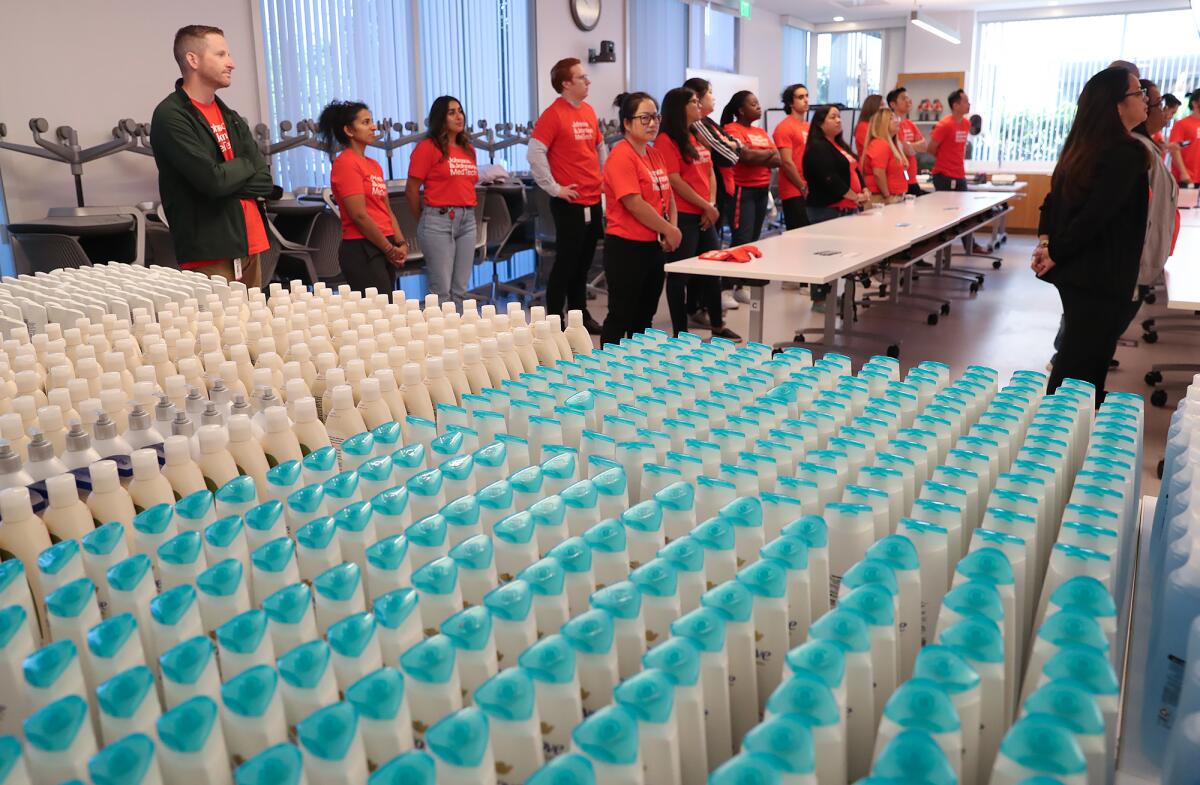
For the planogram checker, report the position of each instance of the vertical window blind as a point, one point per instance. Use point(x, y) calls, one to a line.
point(1028, 104)
point(795, 55)
point(720, 40)
point(658, 47)
point(849, 67)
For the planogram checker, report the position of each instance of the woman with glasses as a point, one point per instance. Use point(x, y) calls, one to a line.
point(641, 221)
point(835, 186)
point(694, 184)
point(751, 181)
point(883, 160)
point(444, 163)
point(1090, 237)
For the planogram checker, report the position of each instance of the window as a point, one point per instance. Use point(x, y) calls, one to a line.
point(795, 55)
point(658, 45)
point(717, 34)
point(1027, 104)
point(849, 67)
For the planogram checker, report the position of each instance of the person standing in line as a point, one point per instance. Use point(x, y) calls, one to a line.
point(444, 163)
point(835, 187)
point(882, 160)
point(1091, 238)
point(870, 105)
point(566, 155)
point(948, 144)
point(1186, 134)
point(373, 247)
point(790, 137)
point(751, 180)
point(912, 141)
point(641, 221)
point(211, 174)
point(694, 184)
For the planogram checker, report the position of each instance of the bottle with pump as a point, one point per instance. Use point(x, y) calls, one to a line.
point(371, 406)
point(141, 432)
point(344, 419)
point(164, 414)
point(279, 442)
point(108, 501)
point(149, 487)
point(439, 387)
point(180, 469)
point(108, 442)
point(216, 464)
point(182, 425)
point(390, 392)
point(66, 516)
point(310, 431)
point(248, 453)
point(42, 462)
point(577, 334)
point(12, 472)
point(79, 454)
point(416, 395)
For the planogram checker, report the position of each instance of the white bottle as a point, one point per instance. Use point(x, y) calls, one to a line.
point(79, 453)
point(106, 440)
point(371, 406)
point(28, 384)
point(149, 487)
point(279, 443)
point(390, 392)
point(577, 334)
point(416, 395)
point(544, 347)
point(310, 431)
point(50, 419)
point(141, 432)
point(560, 339)
point(23, 535)
point(452, 363)
point(164, 415)
point(248, 453)
point(474, 369)
point(523, 343)
point(12, 428)
point(113, 403)
point(66, 516)
point(508, 353)
point(344, 419)
point(108, 501)
point(493, 363)
point(439, 387)
point(216, 464)
point(334, 377)
point(180, 469)
point(42, 462)
point(325, 361)
point(12, 473)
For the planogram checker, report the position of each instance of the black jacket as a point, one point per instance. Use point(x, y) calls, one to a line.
point(827, 172)
point(200, 190)
point(1096, 236)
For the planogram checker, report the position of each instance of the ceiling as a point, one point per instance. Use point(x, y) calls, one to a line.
point(822, 11)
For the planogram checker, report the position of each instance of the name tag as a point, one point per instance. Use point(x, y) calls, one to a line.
point(237, 269)
point(587, 214)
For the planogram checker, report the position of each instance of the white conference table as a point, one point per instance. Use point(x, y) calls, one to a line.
point(833, 251)
point(1183, 294)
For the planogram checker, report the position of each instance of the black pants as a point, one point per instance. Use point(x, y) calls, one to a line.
point(795, 212)
point(915, 189)
point(1091, 325)
point(364, 266)
point(574, 248)
point(634, 271)
point(750, 213)
point(703, 289)
point(942, 182)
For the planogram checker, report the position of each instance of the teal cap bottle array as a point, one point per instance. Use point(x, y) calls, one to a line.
point(129, 761)
point(508, 700)
point(431, 683)
point(383, 715)
point(59, 740)
point(609, 740)
point(127, 703)
point(278, 765)
point(189, 670)
point(307, 681)
point(331, 745)
point(912, 756)
point(391, 512)
point(805, 696)
point(264, 523)
point(192, 741)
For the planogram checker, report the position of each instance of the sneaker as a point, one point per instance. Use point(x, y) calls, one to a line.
point(741, 295)
point(590, 324)
point(728, 302)
point(699, 319)
point(726, 333)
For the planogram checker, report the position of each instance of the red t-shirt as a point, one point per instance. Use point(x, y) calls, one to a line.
point(1187, 130)
point(627, 173)
point(695, 173)
point(450, 179)
point(256, 231)
point(750, 175)
point(880, 156)
point(855, 179)
point(571, 134)
point(355, 175)
point(860, 136)
point(911, 134)
point(791, 134)
point(951, 137)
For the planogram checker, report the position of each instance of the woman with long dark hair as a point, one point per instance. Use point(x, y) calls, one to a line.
point(373, 246)
point(444, 163)
point(835, 185)
point(870, 106)
point(1093, 224)
point(694, 184)
point(751, 181)
point(641, 221)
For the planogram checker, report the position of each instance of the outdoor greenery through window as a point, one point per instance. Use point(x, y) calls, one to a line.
point(1029, 73)
point(849, 67)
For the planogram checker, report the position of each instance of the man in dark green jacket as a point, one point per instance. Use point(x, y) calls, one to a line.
point(211, 174)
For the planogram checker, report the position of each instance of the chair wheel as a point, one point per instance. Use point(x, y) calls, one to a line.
point(1152, 298)
point(945, 309)
point(996, 265)
point(893, 351)
point(973, 288)
point(883, 290)
point(932, 319)
point(1153, 378)
point(1158, 398)
point(1162, 465)
point(1147, 324)
point(798, 338)
point(1150, 337)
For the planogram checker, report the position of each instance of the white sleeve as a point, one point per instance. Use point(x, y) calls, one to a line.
point(602, 152)
point(539, 164)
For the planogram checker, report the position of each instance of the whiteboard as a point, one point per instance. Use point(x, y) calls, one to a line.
point(724, 85)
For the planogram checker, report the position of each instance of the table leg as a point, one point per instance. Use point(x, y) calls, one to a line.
point(831, 313)
point(757, 295)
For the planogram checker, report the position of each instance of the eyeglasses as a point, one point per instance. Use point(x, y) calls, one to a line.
point(648, 119)
point(1143, 92)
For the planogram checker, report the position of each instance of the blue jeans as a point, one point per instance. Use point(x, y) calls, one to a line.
point(449, 248)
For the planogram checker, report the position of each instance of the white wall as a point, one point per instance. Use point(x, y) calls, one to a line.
point(925, 52)
point(760, 53)
point(558, 37)
point(88, 64)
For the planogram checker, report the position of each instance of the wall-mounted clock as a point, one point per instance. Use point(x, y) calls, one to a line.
point(586, 14)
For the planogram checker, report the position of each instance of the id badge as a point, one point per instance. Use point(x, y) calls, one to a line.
point(237, 269)
point(587, 214)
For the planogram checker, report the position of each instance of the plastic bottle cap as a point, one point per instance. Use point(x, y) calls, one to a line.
point(177, 450)
point(51, 418)
point(240, 429)
point(104, 476)
point(213, 439)
point(305, 410)
point(343, 397)
point(434, 368)
point(276, 419)
point(505, 342)
point(489, 347)
point(522, 337)
point(369, 390)
point(386, 378)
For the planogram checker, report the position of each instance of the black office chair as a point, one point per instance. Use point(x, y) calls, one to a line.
point(42, 253)
point(505, 239)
